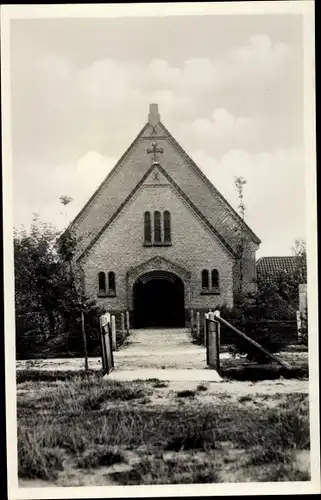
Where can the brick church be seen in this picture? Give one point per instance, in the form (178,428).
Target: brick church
(158,239)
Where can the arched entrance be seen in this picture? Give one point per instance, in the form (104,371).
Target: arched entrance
(159,300)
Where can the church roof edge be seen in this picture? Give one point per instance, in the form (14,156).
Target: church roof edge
(211,186)
(154,115)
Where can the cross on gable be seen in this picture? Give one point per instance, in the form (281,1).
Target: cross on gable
(154,150)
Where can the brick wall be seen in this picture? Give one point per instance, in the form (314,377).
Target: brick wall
(193,248)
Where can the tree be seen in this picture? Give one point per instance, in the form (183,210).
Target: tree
(37,282)
(49,296)
(78,302)
(299,251)
(65,200)
(239,183)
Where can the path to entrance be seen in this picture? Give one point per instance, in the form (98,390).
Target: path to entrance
(165,354)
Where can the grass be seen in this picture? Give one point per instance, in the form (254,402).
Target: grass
(85,423)
(51,376)
(36,459)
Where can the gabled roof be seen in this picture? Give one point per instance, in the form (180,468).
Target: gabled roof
(269,267)
(178,190)
(127,175)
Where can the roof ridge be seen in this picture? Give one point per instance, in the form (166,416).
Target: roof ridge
(279,257)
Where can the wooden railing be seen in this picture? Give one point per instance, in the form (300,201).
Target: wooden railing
(212,337)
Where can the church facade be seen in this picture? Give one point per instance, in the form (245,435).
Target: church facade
(157,239)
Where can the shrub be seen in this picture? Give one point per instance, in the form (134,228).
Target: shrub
(158,471)
(259,318)
(201,387)
(185,394)
(100,456)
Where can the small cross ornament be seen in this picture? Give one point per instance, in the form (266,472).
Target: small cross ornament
(154,150)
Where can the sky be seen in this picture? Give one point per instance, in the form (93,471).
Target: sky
(229,89)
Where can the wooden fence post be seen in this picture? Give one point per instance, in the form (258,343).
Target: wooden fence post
(84,339)
(127,322)
(206,337)
(103,348)
(198,325)
(113,333)
(299,325)
(122,325)
(218,336)
(205,327)
(192,321)
(213,346)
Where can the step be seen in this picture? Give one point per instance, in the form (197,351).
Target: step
(168,375)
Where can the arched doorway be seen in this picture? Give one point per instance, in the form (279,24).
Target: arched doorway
(159,300)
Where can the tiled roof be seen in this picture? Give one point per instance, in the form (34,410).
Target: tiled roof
(268,266)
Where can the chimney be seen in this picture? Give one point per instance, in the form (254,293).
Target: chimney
(153,116)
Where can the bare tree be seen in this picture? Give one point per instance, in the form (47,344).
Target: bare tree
(300,252)
(239,183)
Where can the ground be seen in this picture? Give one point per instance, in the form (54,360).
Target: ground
(89,431)
(78,429)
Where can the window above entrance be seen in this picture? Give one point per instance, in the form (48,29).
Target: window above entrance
(157,229)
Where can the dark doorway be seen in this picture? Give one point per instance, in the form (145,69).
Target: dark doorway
(159,300)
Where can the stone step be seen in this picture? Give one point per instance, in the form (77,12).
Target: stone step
(180,375)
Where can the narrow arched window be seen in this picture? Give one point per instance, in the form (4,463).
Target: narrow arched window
(167,226)
(215,278)
(205,279)
(157,227)
(111,282)
(147,228)
(101,283)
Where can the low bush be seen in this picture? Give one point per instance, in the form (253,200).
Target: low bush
(99,456)
(255,373)
(185,394)
(158,471)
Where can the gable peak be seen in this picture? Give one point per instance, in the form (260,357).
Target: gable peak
(153,115)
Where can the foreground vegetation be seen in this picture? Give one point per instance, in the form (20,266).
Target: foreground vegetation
(85,430)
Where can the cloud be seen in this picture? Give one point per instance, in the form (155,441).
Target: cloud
(274,194)
(235,110)
(78,180)
(253,63)
(72,110)
(257,62)
(218,132)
